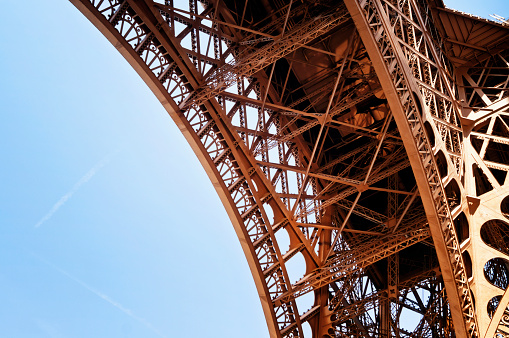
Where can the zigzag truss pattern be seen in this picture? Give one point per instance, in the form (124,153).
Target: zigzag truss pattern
(363,166)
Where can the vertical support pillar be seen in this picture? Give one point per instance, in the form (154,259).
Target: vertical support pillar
(322,294)
(392,201)
(392,288)
(389,305)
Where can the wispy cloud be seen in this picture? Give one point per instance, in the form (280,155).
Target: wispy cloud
(103,296)
(71,192)
(47,328)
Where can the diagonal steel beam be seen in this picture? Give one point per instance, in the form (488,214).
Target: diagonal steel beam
(343,264)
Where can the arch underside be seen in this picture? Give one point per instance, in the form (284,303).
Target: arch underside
(357,155)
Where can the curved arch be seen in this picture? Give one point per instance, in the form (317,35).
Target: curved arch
(226,165)
(504,207)
(494,233)
(338,237)
(497,273)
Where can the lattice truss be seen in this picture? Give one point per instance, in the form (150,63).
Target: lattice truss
(361,159)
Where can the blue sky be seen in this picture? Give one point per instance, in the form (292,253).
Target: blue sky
(109,227)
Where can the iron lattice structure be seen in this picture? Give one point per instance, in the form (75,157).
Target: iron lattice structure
(360,148)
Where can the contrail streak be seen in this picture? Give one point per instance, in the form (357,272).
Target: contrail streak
(75,188)
(101,295)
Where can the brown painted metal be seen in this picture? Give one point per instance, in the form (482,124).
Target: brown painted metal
(359,148)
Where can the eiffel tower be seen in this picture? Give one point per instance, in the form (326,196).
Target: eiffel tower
(359,147)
